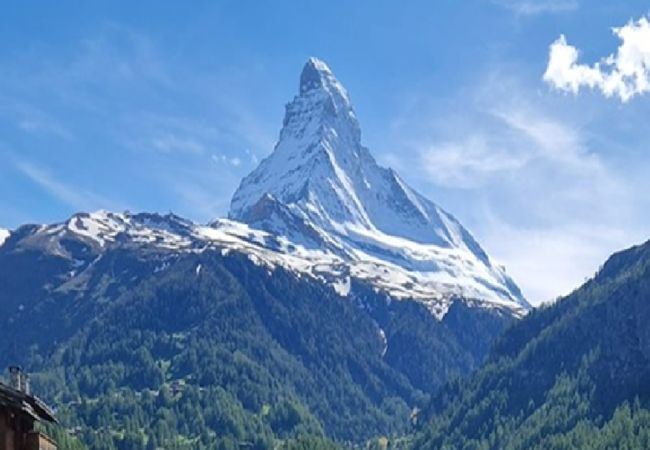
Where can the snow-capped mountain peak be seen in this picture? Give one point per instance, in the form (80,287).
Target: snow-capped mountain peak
(319,144)
(322,188)
(319,206)
(317,75)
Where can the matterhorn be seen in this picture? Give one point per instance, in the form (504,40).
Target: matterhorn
(322,189)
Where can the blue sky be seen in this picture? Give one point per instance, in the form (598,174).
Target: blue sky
(164,106)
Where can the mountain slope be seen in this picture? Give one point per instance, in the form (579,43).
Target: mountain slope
(137,317)
(332,303)
(565,376)
(323,189)
(321,207)
(123,309)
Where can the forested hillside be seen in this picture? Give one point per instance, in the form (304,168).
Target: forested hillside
(207,350)
(572,375)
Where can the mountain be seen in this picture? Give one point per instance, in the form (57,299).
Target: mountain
(4,234)
(329,305)
(572,375)
(149,322)
(324,190)
(321,207)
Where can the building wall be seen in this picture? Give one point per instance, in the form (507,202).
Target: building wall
(17,432)
(7,435)
(39,441)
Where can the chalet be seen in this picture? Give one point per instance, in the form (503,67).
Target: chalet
(19,412)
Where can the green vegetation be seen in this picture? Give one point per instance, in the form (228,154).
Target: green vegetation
(570,376)
(149,353)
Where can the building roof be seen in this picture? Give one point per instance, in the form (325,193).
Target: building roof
(28,404)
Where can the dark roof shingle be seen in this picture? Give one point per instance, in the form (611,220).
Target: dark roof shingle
(28,404)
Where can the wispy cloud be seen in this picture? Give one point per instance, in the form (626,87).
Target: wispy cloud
(223,159)
(168,135)
(31,119)
(534,7)
(551,261)
(118,54)
(252,157)
(36,125)
(117,97)
(504,138)
(470,161)
(202,194)
(623,74)
(73,196)
(170,143)
(527,181)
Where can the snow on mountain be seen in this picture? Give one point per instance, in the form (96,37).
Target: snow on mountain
(322,173)
(321,188)
(4,235)
(102,231)
(318,206)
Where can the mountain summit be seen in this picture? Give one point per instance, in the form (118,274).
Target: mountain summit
(334,299)
(316,160)
(322,173)
(322,188)
(318,206)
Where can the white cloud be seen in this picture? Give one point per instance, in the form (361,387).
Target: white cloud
(507,139)
(45,125)
(252,156)
(533,7)
(169,135)
(79,199)
(170,143)
(548,262)
(623,74)
(233,161)
(535,183)
(469,162)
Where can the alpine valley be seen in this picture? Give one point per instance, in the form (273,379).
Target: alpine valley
(335,307)
(326,309)
(574,375)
